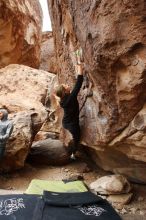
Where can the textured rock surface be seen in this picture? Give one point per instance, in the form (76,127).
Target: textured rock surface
(122,199)
(20,32)
(49,151)
(19,143)
(53,122)
(112,37)
(111,185)
(48,56)
(23,91)
(24,88)
(43,135)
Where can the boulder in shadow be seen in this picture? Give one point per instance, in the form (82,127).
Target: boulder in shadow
(49,152)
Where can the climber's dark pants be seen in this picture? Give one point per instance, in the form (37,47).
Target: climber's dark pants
(74,129)
(2,150)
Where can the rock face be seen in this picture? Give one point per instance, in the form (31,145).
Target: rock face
(111,185)
(20,32)
(48,57)
(23,88)
(112,37)
(53,122)
(23,91)
(19,143)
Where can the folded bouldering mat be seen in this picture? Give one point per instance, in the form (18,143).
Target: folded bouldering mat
(38,186)
(18,207)
(74,206)
(56,206)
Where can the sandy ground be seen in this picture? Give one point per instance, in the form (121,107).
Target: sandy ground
(18,182)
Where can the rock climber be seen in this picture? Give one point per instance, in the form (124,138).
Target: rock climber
(70,105)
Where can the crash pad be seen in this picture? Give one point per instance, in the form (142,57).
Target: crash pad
(18,206)
(74,206)
(38,186)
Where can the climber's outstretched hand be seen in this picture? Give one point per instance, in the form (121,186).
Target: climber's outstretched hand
(79,62)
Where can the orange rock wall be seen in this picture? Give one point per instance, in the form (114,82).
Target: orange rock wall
(112,37)
(48,55)
(20,32)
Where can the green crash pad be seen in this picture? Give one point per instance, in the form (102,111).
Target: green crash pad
(38,186)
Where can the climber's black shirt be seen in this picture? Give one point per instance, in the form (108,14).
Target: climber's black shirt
(70,104)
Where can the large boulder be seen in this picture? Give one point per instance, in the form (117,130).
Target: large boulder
(19,143)
(112,37)
(20,32)
(49,152)
(48,56)
(24,88)
(23,91)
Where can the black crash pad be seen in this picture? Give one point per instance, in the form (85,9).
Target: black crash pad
(75,206)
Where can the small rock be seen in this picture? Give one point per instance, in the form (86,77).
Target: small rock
(76,177)
(119,206)
(133,210)
(66,170)
(111,185)
(123,211)
(122,199)
(140,199)
(141,213)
